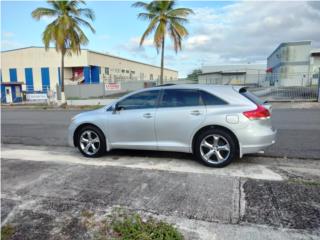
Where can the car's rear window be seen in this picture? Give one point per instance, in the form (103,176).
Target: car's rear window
(211,100)
(253,98)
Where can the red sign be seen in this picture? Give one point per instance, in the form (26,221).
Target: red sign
(113,86)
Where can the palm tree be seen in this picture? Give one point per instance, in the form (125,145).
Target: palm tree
(164,19)
(65,29)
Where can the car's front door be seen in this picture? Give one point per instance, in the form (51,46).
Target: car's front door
(132,126)
(179,114)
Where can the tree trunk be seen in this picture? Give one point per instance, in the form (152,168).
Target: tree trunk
(162,61)
(62,71)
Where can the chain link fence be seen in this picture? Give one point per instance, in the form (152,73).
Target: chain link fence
(301,86)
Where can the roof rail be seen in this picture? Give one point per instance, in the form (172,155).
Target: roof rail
(167,84)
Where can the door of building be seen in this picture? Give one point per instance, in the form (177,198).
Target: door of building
(8,94)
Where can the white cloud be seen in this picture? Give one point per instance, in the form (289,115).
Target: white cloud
(249,31)
(7,34)
(240,32)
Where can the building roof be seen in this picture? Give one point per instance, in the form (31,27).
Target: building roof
(95,52)
(232,68)
(315,52)
(296,43)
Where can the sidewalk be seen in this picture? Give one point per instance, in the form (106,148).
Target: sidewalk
(48,188)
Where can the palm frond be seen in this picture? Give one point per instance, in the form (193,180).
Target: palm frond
(87,12)
(146,16)
(159,34)
(180,12)
(85,23)
(149,30)
(43,12)
(140,5)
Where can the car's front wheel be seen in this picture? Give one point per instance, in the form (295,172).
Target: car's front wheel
(91,142)
(215,148)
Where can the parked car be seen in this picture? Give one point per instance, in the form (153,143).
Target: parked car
(216,123)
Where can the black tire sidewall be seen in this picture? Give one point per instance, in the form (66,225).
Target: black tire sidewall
(102,148)
(226,135)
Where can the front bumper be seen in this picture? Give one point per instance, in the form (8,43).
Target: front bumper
(71,130)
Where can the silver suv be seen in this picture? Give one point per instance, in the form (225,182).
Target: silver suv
(215,123)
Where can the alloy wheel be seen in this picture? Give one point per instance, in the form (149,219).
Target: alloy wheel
(89,142)
(215,148)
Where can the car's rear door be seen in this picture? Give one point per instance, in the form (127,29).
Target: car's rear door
(133,126)
(180,112)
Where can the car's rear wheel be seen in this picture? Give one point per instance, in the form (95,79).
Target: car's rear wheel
(91,141)
(215,148)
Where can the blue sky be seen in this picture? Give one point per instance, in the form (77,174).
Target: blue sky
(220,32)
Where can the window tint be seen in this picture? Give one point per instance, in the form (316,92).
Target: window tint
(209,99)
(146,99)
(180,98)
(253,98)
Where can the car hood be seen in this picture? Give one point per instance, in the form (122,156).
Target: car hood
(90,113)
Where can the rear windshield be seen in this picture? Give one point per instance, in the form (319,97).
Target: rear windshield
(253,98)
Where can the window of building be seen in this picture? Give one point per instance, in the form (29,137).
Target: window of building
(146,99)
(123,71)
(151,76)
(180,98)
(106,70)
(127,71)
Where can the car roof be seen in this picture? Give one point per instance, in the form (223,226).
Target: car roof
(226,92)
(198,86)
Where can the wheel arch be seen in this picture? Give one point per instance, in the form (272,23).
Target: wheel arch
(213,126)
(82,125)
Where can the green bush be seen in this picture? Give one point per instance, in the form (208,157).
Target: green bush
(7,232)
(133,227)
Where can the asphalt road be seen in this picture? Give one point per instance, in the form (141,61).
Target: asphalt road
(298,130)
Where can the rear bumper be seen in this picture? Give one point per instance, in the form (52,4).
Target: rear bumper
(260,142)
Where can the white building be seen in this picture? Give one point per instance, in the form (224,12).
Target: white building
(293,64)
(33,69)
(240,74)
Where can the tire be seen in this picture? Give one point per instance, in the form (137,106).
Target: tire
(93,136)
(215,148)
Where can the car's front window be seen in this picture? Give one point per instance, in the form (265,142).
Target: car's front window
(146,99)
(180,98)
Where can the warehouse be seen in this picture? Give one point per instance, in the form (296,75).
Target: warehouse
(35,70)
(293,64)
(235,74)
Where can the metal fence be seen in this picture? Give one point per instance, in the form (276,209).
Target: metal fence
(301,86)
(269,86)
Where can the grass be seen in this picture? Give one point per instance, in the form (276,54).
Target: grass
(305,182)
(133,227)
(124,225)
(7,232)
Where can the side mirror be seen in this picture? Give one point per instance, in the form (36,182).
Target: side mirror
(116,108)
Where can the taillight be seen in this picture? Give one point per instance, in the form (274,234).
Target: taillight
(259,113)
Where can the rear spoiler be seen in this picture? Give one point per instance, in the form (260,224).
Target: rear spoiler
(239,89)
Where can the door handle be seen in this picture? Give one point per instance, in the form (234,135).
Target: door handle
(195,113)
(147,115)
